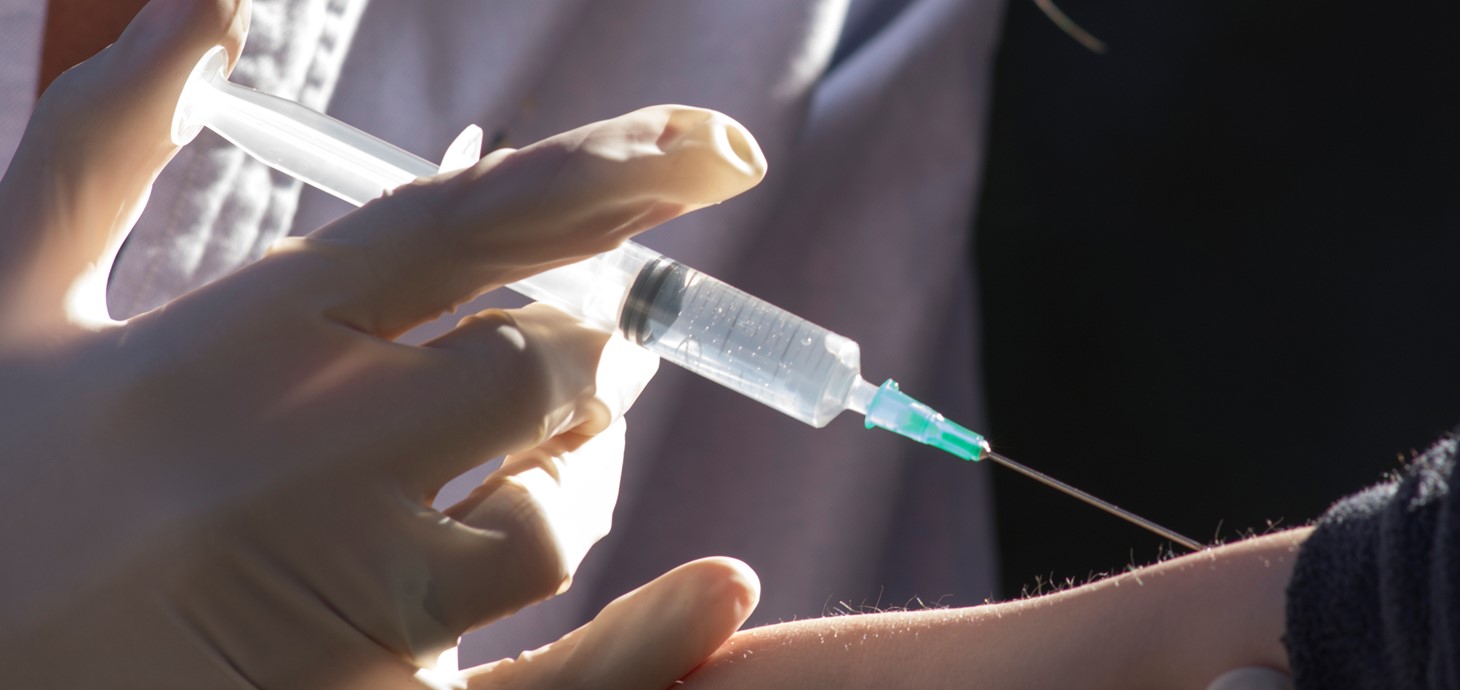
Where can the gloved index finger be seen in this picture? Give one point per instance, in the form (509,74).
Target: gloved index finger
(434,244)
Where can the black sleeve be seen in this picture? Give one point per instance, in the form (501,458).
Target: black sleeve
(1375,597)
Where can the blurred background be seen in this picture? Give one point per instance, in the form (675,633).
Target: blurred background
(1218,265)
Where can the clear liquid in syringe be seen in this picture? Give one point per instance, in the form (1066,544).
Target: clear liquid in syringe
(741,342)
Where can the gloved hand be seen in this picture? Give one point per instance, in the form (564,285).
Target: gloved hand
(233,490)
(1252,678)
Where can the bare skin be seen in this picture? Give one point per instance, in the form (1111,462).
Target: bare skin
(1177,624)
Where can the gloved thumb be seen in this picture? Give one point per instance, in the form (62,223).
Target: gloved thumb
(1252,678)
(96,142)
(647,638)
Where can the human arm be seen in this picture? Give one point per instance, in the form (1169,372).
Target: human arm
(1363,600)
(1176,624)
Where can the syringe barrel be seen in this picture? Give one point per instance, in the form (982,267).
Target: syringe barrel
(708,327)
(743,343)
(593,289)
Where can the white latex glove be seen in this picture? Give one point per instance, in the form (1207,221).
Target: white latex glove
(1252,678)
(233,490)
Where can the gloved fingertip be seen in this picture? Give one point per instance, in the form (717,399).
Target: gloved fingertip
(1252,678)
(566,489)
(720,133)
(580,512)
(624,370)
(662,630)
(715,157)
(733,586)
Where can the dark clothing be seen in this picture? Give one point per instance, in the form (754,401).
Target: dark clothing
(1207,256)
(1375,598)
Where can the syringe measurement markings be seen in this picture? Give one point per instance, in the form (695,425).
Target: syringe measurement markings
(757,331)
(818,357)
(733,321)
(714,318)
(693,359)
(747,345)
(791,340)
(764,336)
(805,355)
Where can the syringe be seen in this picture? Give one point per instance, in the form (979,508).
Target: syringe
(682,315)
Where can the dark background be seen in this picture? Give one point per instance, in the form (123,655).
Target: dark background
(1218,265)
